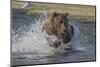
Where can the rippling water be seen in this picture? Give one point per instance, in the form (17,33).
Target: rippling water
(29,45)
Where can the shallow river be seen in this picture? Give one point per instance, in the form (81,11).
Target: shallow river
(30,47)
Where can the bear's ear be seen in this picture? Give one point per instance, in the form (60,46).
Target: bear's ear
(66,14)
(54,14)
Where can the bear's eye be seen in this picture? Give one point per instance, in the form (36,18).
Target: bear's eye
(61,21)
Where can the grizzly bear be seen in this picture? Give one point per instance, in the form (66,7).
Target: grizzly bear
(57,27)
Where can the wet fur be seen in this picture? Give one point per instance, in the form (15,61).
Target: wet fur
(56,26)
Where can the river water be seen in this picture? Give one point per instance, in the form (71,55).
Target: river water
(30,47)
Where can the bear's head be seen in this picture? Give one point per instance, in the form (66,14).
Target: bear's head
(58,22)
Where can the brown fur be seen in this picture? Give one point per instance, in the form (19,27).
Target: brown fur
(54,24)
(57,24)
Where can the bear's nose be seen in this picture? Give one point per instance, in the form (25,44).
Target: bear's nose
(57,44)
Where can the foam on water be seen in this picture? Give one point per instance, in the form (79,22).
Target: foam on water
(34,39)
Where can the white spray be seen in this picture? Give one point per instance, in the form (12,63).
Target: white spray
(34,40)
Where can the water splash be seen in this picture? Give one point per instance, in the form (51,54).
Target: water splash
(34,40)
